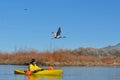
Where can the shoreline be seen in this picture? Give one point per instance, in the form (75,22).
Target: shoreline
(95,65)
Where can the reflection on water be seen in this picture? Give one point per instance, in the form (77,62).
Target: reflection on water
(69,73)
(37,77)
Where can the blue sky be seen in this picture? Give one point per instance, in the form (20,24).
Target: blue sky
(86,23)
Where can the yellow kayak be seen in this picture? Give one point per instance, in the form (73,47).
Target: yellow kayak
(44,72)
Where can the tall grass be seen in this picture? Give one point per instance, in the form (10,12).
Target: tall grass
(57,58)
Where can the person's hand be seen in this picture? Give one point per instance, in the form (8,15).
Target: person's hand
(42,69)
(35,71)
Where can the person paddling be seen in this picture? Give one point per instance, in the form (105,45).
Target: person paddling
(33,67)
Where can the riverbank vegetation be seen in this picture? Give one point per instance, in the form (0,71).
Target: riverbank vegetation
(78,57)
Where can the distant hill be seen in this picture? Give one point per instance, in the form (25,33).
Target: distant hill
(112,47)
(109,51)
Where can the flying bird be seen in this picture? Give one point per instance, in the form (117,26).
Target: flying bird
(57,35)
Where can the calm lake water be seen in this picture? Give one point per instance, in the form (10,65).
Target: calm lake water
(70,73)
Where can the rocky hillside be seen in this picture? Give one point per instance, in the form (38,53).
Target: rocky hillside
(110,51)
(112,47)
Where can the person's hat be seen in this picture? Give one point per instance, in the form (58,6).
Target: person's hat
(33,60)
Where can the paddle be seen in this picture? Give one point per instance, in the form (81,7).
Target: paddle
(35,71)
(38,70)
(30,72)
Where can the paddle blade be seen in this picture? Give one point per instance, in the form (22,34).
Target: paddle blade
(28,73)
(50,68)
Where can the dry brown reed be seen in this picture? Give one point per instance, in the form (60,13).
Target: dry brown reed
(57,58)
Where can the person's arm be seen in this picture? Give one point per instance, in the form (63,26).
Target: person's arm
(37,67)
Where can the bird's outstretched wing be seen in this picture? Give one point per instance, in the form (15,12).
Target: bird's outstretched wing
(58,32)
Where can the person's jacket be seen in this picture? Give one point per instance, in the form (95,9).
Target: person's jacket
(33,67)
